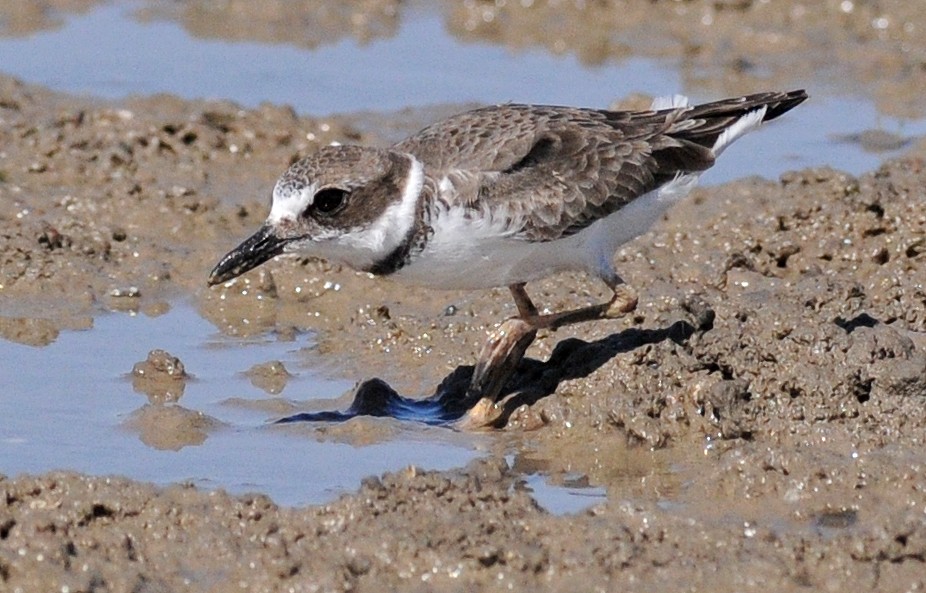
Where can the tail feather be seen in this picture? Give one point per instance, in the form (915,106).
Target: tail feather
(703,124)
(742,126)
(777,103)
(697,135)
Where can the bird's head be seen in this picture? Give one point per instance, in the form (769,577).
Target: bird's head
(349,204)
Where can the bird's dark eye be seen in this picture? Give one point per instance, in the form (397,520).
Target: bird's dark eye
(329,200)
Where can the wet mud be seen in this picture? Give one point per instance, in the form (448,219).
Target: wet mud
(757,423)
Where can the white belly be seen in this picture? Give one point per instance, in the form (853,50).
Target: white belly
(492,262)
(473,253)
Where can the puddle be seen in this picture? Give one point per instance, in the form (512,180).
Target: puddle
(72,405)
(570,497)
(69,403)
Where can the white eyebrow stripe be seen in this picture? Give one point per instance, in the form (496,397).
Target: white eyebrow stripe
(289,203)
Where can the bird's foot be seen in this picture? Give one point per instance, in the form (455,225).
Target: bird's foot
(499,358)
(623,302)
(506,346)
(484,414)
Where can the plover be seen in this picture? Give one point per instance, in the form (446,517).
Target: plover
(501,196)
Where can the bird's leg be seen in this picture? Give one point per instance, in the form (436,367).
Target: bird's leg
(526,307)
(506,346)
(503,351)
(623,301)
(499,359)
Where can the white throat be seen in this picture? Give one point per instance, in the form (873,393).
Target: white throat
(391,228)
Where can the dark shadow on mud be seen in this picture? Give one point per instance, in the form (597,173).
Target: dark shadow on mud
(533,380)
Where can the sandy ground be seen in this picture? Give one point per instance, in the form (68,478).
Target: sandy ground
(771,383)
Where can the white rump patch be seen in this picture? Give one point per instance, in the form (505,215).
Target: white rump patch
(743,125)
(289,203)
(678,188)
(669,102)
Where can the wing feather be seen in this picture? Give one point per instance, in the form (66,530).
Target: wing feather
(553,171)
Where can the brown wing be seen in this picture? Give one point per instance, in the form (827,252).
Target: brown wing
(558,169)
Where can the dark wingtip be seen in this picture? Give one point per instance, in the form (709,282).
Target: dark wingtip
(781,103)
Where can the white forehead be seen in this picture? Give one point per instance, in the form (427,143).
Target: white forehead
(290,201)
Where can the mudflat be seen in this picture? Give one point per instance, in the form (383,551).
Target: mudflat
(774,373)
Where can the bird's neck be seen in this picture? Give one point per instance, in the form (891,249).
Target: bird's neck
(415,238)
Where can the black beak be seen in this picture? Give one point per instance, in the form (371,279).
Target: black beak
(255,250)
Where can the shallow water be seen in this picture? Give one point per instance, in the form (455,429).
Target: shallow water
(568,498)
(75,417)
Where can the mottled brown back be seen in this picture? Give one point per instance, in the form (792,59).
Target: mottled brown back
(558,169)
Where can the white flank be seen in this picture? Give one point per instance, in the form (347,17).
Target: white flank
(467,250)
(743,125)
(390,229)
(601,240)
(288,204)
(471,251)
